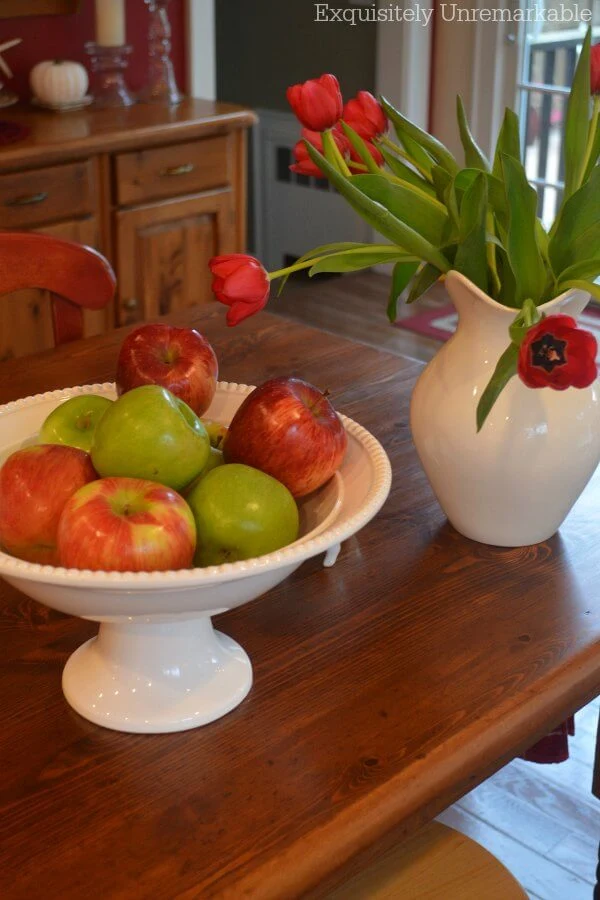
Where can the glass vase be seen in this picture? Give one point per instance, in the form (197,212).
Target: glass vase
(161,86)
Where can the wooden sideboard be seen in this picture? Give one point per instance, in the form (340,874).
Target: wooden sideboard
(158,190)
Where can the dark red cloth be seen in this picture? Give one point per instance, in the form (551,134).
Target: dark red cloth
(12,131)
(554,748)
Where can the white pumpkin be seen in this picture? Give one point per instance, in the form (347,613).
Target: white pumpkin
(59,81)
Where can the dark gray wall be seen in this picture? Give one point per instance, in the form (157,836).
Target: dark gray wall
(263,46)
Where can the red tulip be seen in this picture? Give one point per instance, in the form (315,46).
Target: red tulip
(304,164)
(595,60)
(317,103)
(365,115)
(240,282)
(556,353)
(373,150)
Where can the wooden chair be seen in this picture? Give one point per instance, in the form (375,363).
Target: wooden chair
(437,863)
(77,277)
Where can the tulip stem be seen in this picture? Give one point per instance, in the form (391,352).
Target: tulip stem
(332,152)
(384,139)
(297,267)
(591,141)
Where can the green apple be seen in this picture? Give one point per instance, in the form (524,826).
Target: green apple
(149,433)
(215,458)
(240,513)
(74,422)
(216,432)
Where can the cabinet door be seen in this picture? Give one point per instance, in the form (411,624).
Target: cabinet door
(163,251)
(25,318)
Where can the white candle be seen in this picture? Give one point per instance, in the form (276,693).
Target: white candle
(110,23)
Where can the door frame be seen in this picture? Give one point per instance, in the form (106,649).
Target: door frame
(403,64)
(201,49)
(480,61)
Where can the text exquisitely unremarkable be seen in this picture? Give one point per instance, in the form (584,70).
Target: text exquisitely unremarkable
(564,13)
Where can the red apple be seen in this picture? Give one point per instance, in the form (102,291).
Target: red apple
(288,429)
(179,359)
(126,525)
(35,484)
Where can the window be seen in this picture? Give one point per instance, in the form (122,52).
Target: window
(549,53)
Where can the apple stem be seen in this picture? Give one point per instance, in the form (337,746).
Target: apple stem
(324,396)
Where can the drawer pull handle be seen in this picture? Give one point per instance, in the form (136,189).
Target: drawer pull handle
(29,200)
(130,303)
(184,169)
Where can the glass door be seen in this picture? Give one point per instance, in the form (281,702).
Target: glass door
(549,52)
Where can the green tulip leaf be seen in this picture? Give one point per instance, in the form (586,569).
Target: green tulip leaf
(361,148)
(594,154)
(576,233)
(471,256)
(504,371)
(444,184)
(431,145)
(425,279)
(508,285)
(496,192)
(441,180)
(415,151)
(320,251)
(426,215)
(404,172)
(577,120)
(585,268)
(401,277)
(353,260)
(524,254)
(590,287)
(475,158)
(508,143)
(377,216)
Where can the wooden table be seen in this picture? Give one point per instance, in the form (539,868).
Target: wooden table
(385,687)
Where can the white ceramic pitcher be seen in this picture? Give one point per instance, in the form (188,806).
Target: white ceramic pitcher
(513,483)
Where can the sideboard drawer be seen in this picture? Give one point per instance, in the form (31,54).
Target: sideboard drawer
(176,169)
(38,196)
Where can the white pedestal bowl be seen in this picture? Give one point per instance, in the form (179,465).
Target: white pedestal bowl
(157,664)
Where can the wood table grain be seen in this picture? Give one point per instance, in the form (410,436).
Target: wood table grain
(385,687)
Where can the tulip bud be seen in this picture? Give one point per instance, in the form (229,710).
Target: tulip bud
(365,115)
(317,103)
(241,283)
(304,164)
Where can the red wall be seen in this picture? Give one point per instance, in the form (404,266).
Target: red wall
(51,37)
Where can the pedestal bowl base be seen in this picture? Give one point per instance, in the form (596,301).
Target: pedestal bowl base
(149,676)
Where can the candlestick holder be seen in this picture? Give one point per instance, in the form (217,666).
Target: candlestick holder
(108,75)
(162,86)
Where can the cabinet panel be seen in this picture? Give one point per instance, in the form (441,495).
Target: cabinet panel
(163,253)
(25,317)
(30,198)
(179,169)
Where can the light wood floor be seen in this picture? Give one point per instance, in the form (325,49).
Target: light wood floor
(541,821)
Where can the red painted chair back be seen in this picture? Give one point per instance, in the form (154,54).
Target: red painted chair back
(77,277)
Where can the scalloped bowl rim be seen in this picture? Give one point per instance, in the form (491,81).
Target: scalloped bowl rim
(292,555)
